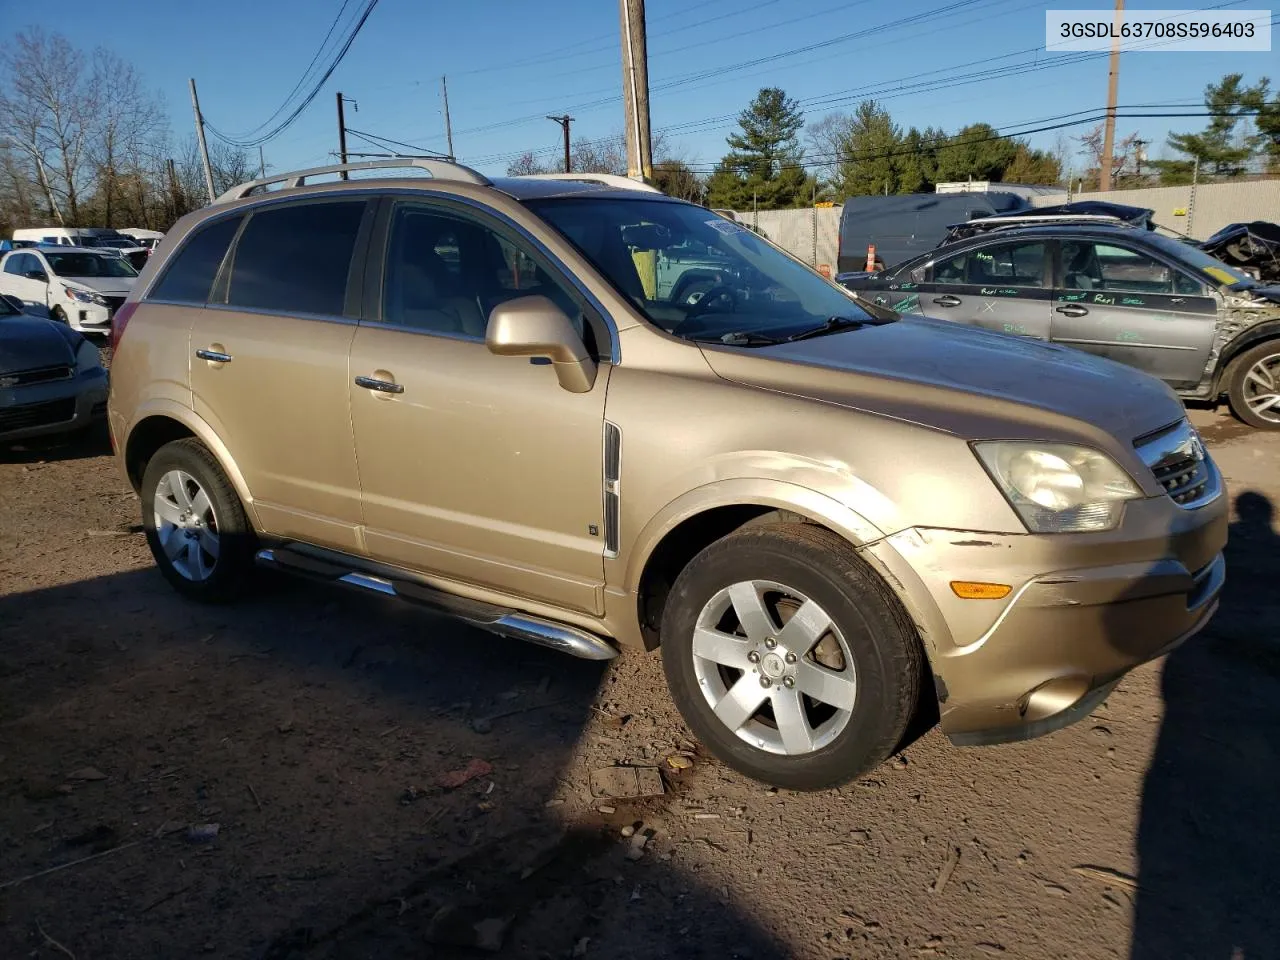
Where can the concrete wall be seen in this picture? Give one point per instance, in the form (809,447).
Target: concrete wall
(1215,206)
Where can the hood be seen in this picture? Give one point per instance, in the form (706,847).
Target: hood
(964,380)
(110,286)
(27,343)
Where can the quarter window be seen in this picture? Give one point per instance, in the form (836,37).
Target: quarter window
(296,259)
(13,264)
(189,276)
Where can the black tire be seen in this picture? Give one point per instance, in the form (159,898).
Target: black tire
(233,566)
(58,315)
(886,652)
(1239,385)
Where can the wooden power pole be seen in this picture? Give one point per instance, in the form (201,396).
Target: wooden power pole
(564,122)
(635,90)
(448,126)
(342,135)
(204,147)
(1113,85)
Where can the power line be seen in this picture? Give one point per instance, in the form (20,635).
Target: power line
(315,90)
(305,73)
(386,143)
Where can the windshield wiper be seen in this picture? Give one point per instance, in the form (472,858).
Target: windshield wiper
(741,338)
(830,325)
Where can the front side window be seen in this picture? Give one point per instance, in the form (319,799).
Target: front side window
(445,274)
(695,274)
(1089,265)
(296,258)
(189,276)
(13,264)
(89,265)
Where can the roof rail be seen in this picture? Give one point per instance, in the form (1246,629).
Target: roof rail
(1024,218)
(606,179)
(439,170)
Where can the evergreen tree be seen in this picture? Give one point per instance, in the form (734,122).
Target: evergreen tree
(870,156)
(1220,152)
(763,165)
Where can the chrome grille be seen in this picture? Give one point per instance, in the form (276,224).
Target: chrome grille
(1178,461)
(38,375)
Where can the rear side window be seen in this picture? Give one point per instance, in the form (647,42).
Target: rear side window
(296,259)
(189,276)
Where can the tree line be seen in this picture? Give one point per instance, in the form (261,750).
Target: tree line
(84,143)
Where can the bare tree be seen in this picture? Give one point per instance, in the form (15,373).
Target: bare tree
(46,115)
(126,118)
(1091,145)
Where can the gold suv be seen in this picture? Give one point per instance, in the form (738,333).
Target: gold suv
(581,413)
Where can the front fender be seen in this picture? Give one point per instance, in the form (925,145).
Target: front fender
(746,491)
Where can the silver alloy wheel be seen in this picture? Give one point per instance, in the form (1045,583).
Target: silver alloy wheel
(1262,388)
(774,667)
(186,525)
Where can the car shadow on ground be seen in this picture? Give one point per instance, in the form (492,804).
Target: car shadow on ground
(1208,844)
(317,730)
(82,445)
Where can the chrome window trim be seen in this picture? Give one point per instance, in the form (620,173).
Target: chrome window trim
(421,331)
(289,314)
(247,208)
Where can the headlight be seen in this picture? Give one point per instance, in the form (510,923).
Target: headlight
(87,358)
(84,296)
(1058,487)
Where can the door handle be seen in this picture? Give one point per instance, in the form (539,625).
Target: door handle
(381,386)
(214,356)
(947,301)
(1073,310)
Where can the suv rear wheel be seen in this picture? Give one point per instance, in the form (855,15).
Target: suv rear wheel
(788,657)
(1254,387)
(195,524)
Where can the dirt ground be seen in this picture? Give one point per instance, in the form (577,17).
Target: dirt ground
(315,729)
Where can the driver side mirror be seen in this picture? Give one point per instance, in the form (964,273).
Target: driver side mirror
(37,275)
(533,326)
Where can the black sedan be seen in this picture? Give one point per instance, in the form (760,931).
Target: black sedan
(51,378)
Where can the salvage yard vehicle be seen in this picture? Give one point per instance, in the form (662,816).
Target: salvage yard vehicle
(1117,290)
(819,512)
(79,287)
(51,378)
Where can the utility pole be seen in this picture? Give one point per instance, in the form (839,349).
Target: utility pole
(448,127)
(635,90)
(1113,84)
(564,122)
(342,135)
(262,162)
(204,147)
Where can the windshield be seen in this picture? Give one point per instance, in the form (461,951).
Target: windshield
(1222,275)
(89,265)
(694,273)
(7,309)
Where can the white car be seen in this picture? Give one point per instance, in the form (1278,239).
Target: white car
(73,285)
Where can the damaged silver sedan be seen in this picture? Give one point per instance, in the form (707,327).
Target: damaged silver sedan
(1118,291)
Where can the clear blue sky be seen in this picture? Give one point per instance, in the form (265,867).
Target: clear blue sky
(517,61)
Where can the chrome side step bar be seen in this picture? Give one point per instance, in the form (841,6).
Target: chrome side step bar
(508,623)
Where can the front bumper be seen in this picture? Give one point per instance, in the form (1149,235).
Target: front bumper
(88,317)
(1084,610)
(59,406)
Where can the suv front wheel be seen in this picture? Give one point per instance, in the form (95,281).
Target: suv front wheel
(788,657)
(195,524)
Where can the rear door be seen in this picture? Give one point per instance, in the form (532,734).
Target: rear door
(1119,301)
(1000,285)
(16,282)
(269,364)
